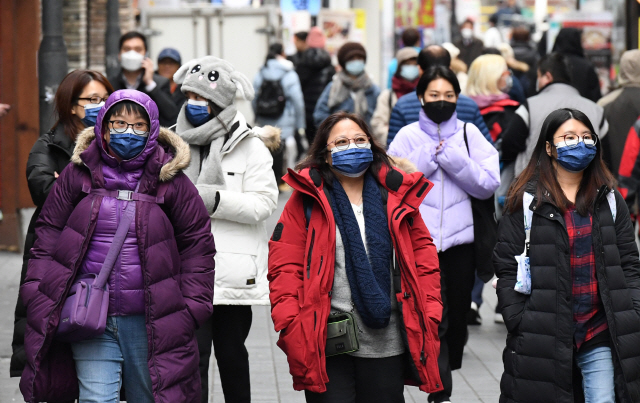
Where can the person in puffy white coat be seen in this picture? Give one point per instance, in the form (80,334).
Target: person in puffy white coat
(231,168)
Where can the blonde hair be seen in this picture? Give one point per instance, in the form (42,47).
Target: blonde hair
(484,74)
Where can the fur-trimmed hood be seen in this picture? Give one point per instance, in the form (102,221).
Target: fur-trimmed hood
(404,164)
(179,151)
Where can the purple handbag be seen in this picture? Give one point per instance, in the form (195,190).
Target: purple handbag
(84,312)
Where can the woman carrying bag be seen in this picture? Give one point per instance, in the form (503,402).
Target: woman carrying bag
(463,167)
(574,326)
(353,273)
(161,281)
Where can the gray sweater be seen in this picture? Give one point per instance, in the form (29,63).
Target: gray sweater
(374,343)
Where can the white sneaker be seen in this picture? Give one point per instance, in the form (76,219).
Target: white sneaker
(498,318)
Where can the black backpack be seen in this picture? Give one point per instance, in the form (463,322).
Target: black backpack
(271,101)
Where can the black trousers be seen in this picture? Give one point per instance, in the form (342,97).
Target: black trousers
(228,329)
(457,276)
(362,380)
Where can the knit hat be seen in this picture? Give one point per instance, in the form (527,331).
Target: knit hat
(630,67)
(452,49)
(405,54)
(213,79)
(350,50)
(315,38)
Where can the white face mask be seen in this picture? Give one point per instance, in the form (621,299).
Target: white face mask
(131,60)
(467,33)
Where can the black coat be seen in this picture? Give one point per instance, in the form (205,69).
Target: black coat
(315,70)
(161,95)
(50,153)
(583,75)
(538,356)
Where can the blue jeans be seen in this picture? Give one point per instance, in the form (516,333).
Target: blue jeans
(596,366)
(119,355)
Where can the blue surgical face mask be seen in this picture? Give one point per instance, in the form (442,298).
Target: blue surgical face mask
(409,72)
(575,158)
(197,112)
(127,145)
(352,162)
(91,113)
(354,67)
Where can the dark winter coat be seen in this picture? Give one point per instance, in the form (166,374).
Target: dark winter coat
(583,75)
(49,155)
(622,114)
(301,273)
(176,254)
(539,353)
(315,70)
(168,105)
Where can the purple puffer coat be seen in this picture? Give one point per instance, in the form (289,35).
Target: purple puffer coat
(176,252)
(455,174)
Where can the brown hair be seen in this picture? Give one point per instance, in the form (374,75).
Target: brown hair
(541,169)
(317,154)
(67,95)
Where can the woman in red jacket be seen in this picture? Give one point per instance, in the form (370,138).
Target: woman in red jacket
(353,273)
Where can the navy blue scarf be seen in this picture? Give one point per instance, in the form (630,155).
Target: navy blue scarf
(369,276)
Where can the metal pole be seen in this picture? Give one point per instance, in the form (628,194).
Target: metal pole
(112,37)
(455,29)
(52,60)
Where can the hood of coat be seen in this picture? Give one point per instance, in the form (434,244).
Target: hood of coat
(150,107)
(447,128)
(270,135)
(175,158)
(276,69)
(569,41)
(60,140)
(315,59)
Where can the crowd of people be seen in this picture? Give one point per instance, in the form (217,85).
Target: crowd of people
(479,158)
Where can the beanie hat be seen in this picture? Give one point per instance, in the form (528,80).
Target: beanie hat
(315,38)
(214,79)
(405,54)
(350,50)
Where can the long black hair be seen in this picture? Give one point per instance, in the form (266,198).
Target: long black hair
(541,168)
(275,49)
(317,154)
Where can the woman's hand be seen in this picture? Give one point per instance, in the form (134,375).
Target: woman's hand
(440,146)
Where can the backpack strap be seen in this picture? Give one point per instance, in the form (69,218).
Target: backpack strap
(128,195)
(464,133)
(527,199)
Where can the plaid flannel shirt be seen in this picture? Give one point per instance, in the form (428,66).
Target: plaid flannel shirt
(589,317)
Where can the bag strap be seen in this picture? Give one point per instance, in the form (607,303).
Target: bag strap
(466,142)
(116,244)
(527,198)
(128,195)
(611,199)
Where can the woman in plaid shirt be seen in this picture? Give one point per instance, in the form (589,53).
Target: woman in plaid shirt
(577,334)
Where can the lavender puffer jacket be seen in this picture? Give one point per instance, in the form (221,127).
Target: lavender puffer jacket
(175,252)
(456,175)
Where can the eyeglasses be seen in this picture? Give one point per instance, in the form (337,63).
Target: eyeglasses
(342,143)
(572,140)
(120,126)
(94,100)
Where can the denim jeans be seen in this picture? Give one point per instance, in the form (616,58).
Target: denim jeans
(119,355)
(596,366)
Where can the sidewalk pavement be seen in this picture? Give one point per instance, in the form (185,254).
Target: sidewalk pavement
(477,381)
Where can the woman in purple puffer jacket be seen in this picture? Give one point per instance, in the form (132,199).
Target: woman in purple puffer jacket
(161,286)
(436,145)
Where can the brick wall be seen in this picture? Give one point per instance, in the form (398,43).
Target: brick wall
(85,23)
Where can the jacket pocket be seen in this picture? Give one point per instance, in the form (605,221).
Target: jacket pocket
(236,270)
(292,343)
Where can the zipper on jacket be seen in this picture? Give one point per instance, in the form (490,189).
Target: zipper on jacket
(309,255)
(441,195)
(321,261)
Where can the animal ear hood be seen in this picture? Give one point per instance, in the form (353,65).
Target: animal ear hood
(214,79)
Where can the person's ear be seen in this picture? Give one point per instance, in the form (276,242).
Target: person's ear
(549,149)
(548,76)
(420,70)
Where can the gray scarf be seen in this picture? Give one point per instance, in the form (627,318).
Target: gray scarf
(211,134)
(344,85)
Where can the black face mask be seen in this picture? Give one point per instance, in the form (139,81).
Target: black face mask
(439,111)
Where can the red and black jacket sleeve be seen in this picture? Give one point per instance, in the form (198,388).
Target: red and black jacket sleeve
(629,171)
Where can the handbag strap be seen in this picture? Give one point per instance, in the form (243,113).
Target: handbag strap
(527,198)
(116,244)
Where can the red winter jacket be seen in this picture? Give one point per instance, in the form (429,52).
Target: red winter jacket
(301,270)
